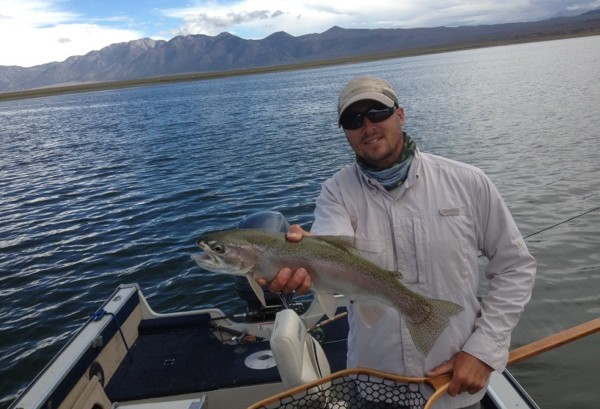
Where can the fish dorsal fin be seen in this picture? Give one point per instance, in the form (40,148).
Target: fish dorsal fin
(328,302)
(344,243)
(260,294)
(370,313)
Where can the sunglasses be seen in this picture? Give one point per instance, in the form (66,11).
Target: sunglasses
(376,114)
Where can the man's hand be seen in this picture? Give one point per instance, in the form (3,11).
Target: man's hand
(286,280)
(469,374)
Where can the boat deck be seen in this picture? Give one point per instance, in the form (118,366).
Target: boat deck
(174,355)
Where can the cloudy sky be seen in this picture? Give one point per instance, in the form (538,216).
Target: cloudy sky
(34,32)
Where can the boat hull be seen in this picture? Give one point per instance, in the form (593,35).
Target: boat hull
(129,355)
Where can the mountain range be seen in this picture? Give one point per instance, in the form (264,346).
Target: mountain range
(146,58)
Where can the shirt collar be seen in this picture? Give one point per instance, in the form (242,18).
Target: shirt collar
(411,179)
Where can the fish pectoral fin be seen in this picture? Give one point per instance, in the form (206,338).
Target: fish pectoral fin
(370,313)
(260,294)
(328,302)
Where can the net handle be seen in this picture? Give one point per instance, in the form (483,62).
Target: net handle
(534,348)
(554,341)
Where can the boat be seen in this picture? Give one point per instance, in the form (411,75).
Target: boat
(284,354)
(128,356)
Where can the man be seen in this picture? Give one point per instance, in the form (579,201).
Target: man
(427,217)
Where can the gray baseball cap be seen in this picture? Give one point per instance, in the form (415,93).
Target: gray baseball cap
(361,88)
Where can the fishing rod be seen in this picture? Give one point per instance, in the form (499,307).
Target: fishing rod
(558,224)
(563,222)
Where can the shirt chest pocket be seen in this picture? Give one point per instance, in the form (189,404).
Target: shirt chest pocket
(445,247)
(372,250)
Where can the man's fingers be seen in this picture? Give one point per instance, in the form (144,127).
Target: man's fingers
(443,369)
(295,233)
(261,281)
(305,287)
(469,374)
(296,282)
(454,388)
(286,280)
(278,283)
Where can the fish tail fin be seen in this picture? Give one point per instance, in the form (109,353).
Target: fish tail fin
(426,332)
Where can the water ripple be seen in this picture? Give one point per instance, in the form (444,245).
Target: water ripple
(102,188)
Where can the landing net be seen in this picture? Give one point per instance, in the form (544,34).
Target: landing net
(356,388)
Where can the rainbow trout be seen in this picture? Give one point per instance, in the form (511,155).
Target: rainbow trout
(335,268)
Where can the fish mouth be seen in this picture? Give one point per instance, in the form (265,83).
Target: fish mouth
(205,260)
(208,259)
(211,261)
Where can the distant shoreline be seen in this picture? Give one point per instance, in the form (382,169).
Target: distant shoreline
(101,86)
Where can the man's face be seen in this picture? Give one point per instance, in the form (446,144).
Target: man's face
(377,143)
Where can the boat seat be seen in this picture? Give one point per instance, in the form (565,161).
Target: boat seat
(299,357)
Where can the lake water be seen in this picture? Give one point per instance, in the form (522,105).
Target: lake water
(107,187)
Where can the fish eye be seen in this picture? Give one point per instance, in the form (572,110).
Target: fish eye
(216,246)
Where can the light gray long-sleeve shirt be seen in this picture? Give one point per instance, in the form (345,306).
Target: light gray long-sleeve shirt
(432,229)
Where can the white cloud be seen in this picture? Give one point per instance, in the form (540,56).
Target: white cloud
(584,6)
(259,18)
(37,32)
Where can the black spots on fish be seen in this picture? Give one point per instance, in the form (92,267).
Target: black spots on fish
(426,331)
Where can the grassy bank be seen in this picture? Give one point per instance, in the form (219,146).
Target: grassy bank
(67,89)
